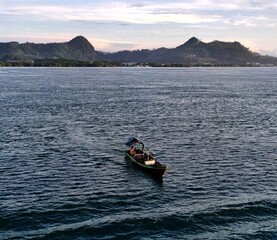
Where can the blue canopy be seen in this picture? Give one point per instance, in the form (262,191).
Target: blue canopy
(133,140)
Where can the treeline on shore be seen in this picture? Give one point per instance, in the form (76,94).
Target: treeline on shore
(58,63)
(75,63)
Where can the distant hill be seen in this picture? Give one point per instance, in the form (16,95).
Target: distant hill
(79,48)
(195,52)
(192,52)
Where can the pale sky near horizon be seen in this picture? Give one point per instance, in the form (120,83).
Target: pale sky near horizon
(127,24)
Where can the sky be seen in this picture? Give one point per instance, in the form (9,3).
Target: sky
(112,26)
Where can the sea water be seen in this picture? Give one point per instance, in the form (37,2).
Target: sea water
(63,174)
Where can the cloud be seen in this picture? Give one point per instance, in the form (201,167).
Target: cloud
(137,5)
(238,12)
(151,12)
(120,12)
(262,3)
(120,23)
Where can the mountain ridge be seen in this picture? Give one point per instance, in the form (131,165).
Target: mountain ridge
(192,52)
(78,48)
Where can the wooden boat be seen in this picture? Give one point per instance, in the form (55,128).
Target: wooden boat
(144,158)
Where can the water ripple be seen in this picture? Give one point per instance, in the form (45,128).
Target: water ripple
(63,174)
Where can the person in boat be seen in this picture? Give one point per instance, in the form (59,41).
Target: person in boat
(132,151)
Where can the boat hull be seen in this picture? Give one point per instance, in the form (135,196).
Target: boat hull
(157,170)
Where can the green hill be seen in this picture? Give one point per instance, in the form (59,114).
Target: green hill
(196,52)
(79,48)
(192,52)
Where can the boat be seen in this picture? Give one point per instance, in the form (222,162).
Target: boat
(144,158)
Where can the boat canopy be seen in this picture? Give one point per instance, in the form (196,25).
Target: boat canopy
(133,140)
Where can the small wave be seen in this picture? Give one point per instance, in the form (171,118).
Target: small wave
(242,221)
(63,177)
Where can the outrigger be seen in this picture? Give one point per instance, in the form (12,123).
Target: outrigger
(144,158)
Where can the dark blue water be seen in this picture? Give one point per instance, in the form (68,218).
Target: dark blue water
(62,169)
